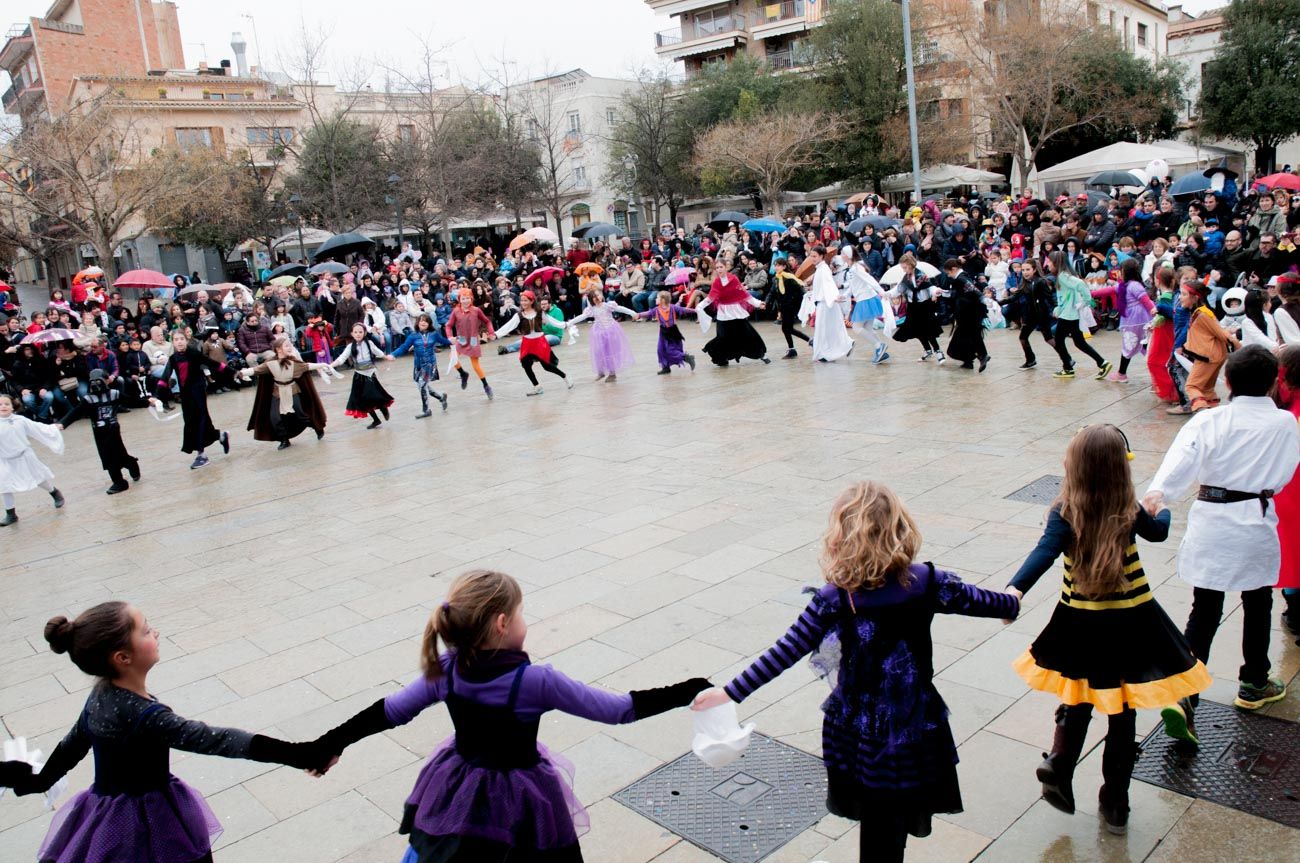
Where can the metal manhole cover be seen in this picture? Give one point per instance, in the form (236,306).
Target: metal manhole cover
(1246,761)
(1042,490)
(741,813)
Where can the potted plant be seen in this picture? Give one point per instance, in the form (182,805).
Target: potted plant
(162,92)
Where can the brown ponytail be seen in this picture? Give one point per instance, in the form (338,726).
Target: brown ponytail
(464,621)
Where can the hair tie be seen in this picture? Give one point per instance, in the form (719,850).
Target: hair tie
(446,606)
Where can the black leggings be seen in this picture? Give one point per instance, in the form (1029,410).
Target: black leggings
(788,320)
(882,838)
(931,344)
(530,361)
(1070,330)
(1027,330)
(1256,609)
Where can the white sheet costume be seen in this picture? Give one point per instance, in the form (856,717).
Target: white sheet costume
(831,340)
(20,469)
(1247,445)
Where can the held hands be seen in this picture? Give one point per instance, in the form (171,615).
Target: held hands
(1153,501)
(710,698)
(1019,595)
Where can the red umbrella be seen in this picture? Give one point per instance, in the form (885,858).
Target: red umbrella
(1279,181)
(44,337)
(679,276)
(543,274)
(144,279)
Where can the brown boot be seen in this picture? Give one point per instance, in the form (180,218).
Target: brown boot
(1057,770)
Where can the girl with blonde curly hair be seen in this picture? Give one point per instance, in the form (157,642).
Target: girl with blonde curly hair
(889,753)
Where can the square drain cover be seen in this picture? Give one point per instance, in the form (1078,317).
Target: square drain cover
(1042,490)
(1246,761)
(742,812)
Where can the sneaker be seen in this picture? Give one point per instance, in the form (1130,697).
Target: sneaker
(487,391)
(1104,370)
(1180,724)
(284,444)
(664,371)
(1254,697)
(225,443)
(984,363)
(878,353)
(690,361)
(116,488)
(768,362)
(464,378)
(424,413)
(942,359)
(568,382)
(1065,375)
(1028,364)
(199,461)
(537,391)
(1179,411)
(1117,378)
(925,356)
(57,497)
(443,398)
(790,354)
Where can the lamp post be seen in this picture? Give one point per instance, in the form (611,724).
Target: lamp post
(911,102)
(395,181)
(294,201)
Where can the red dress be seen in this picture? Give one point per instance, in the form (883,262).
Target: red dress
(1159,350)
(1288,510)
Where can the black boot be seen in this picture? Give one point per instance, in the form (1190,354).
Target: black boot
(1117,761)
(284,444)
(57,497)
(1057,770)
(11,516)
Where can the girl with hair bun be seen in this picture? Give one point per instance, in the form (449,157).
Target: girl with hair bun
(891,762)
(136,811)
(492,793)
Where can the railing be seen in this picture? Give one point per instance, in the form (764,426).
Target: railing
(769,13)
(788,59)
(665,38)
(19,31)
(10,96)
(703,29)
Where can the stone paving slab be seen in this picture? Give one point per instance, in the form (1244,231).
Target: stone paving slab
(662,526)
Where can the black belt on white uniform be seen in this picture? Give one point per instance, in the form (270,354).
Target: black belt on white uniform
(1215,494)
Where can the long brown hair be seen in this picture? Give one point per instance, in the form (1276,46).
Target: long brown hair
(1097,502)
(871,537)
(464,621)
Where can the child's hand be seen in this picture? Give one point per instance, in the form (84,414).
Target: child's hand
(326,769)
(710,698)
(1153,502)
(1019,595)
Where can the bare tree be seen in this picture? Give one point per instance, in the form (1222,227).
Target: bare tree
(548,131)
(650,147)
(767,149)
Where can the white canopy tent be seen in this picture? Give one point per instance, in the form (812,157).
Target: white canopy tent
(943,176)
(1126,156)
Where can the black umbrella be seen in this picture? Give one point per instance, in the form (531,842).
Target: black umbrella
(341,245)
(723,220)
(1116,178)
(328,267)
(877,222)
(595,229)
(289,270)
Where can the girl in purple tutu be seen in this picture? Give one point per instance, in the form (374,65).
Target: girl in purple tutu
(610,352)
(491,793)
(136,812)
(672,347)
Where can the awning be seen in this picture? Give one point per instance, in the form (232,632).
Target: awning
(943,176)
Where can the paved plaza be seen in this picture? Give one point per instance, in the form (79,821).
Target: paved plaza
(662,527)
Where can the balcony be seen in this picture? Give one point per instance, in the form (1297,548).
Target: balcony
(18,42)
(18,98)
(702,37)
(788,58)
(781,19)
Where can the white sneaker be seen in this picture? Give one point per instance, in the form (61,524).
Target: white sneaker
(942,358)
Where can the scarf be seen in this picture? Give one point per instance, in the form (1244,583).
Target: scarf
(728,291)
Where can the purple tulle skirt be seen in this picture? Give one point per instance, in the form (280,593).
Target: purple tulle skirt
(171,825)
(525,808)
(610,351)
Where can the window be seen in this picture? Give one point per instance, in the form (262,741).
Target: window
(234,97)
(711,21)
(1128,42)
(215,97)
(575,123)
(265,136)
(611,117)
(580,176)
(580,213)
(406,134)
(1094,14)
(1142,34)
(533,133)
(189,138)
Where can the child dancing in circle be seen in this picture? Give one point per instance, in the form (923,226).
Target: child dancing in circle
(671,350)
(368,394)
(610,352)
(889,753)
(1109,644)
(20,469)
(534,349)
(491,793)
(423,340)
(136,811)
(465,327)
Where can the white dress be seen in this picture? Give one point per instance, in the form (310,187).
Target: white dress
(831,339)
(20,469)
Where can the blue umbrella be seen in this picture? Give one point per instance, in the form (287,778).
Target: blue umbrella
(764,226)
(1188,185)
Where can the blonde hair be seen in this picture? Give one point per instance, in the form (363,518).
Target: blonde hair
(464,621)
(871,537)
(1097,502)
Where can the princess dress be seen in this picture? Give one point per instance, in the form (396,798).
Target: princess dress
(20,469)
(610,351)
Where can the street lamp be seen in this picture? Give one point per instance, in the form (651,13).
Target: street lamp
(911,103)
(294,201)
(395,181)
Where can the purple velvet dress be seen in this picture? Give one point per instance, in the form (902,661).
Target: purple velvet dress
(672,346)
(136,811)
(885,737)
(491,791)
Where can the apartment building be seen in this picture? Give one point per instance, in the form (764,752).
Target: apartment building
(709,31)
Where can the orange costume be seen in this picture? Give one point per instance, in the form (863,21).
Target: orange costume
(1207,346)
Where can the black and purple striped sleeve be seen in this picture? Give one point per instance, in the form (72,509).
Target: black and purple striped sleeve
(954,596)
(799,640)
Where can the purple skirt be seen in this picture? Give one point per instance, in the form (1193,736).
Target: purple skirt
(672,351)
(171,825)
(527,808)
(610,351)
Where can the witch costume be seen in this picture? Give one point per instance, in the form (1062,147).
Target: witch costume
(967,343)
(368,394)
(920,322)
(188,365)
(137,811)
(286,403)
(736,336)
(491,792)
(671,350)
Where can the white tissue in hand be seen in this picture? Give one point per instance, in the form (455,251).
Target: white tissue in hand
(15,749)
(719,739)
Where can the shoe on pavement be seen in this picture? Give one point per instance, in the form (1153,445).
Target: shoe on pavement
(1254,697)
(1179,411)
(1117,378)
(57,496)
(1180,724)
(1104,370)
(790,354)
(284,444)
(1028,364)
(536,391)
(117,488)
(225,442)
(1065,375)
(199,461)
(984,363)
(942,359)
(690,361)
(443,398)
(424,413)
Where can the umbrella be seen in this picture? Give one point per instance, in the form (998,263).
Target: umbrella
(764,226)
(1221,168)
(1189,185)
(543,274)
(289,270)
(143,279)
(877,222)
(328,267)
(534,235)
(1116,178)
(341,245)
(45,337)
(590,268)
(679,276)
(894,274)
(223,288)
(284,280)
(723,220)
(858,198)
(1279,181)
(594,229)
